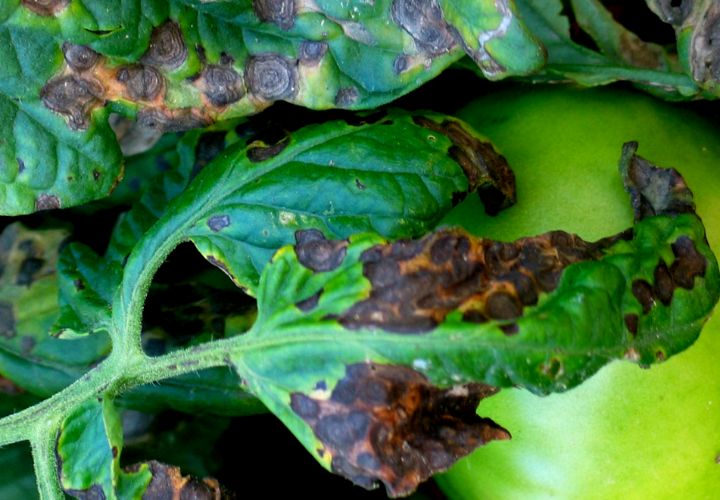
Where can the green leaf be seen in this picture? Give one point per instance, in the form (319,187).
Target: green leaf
(394,174)
(44,164)
(361,340)
(29,307)
(88,453)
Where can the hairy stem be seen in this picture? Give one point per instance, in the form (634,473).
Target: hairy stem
(45,460)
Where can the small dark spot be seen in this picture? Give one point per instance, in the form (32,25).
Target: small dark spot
(115,451)
(510,328)
(271,76)
(142,83)
(631,322)
(346,97)
(27,344)
(312,52)
(226,59)
(304,406)
(258,151)
(321,385)
(688,264)
(79,57)
(73,97)
(642,291)
(7,320)
(200,50)
(218,222)
(474,316)
(400,64)
(423,21)
(167,47)
(79,285)
(47,202)
(172,367)
(310,303)
(279,12)
(674,11)
(664,287)
(45,7)
(223,85)
(96,175)
(176,120)
(553,369)
(501,305)
(660,355)
(316,252)
(360,185)
(21,165)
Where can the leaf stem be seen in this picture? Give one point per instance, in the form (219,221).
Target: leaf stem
(45,460)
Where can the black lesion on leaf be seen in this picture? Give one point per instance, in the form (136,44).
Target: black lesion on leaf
(653,190)
(487,171)
(316,252)
(171,120)
(79,57)
(29,267)
(415,284)
(688,263)
(46,201)
(400,64)
(74,97)
(167,48)
(310,303)
(280,12)
(218,222)
(271,76)
(388,423)
(423,21)
(632,322)
(643,292)
(346,97)
(7,320)
(142,82)
(168,482)
(258,151)
(45,7)
(222,85)
(312,52)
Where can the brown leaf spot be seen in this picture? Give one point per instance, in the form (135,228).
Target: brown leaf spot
(47,202)
(8,387)
(271,76)
(423,21)
(45,7)
(311,53)
(21,165)
(142,83)
(218,222)
(487,171)
(79,57)
(688,263)
(171,120)
(168,483)
(310,303)
(388,423)
(346,97)
(27,344)
(279,12)
(417,283)
(258,151)
(222,85)
(167,48)
(631,322)
(316,252)
(73,97)
(643,292)
(7,320)
(400,64)
(663,286)
(510,328)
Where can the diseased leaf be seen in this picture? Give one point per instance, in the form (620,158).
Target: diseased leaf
(349,332)
(394,174)
(29,306)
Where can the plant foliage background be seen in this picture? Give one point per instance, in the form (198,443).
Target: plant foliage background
(164,254)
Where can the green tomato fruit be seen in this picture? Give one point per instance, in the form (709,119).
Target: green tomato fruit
(627,432)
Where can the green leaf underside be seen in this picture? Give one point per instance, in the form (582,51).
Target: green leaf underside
(331,308)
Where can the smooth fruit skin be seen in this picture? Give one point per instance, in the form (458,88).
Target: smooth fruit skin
(627,432)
